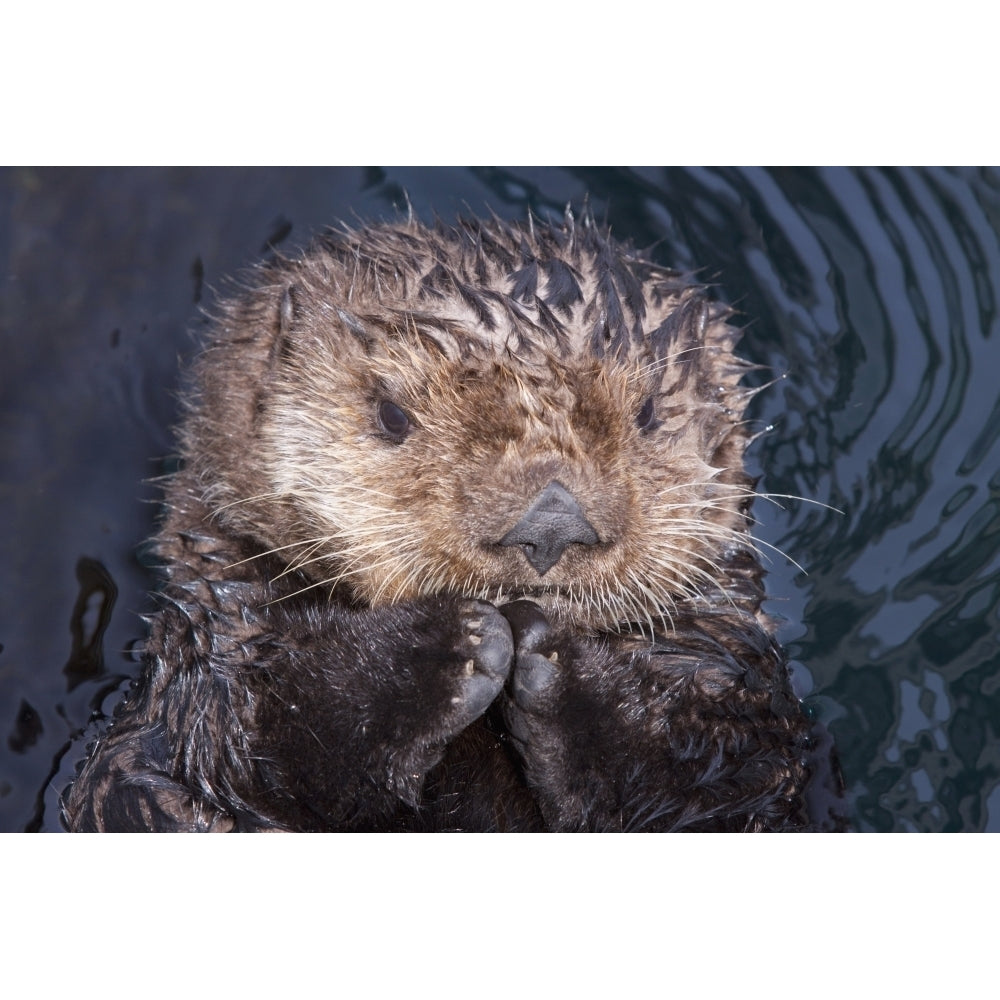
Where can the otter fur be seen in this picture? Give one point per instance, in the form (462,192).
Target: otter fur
(459,542)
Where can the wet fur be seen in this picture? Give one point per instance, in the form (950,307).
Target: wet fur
(344,641)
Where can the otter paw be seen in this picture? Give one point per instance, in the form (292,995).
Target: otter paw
(486,652)
(535,673)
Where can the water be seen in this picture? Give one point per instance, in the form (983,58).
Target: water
(870,295)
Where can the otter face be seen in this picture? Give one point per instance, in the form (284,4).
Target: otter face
(565,482)
(414,442)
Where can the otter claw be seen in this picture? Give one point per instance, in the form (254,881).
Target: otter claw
(490,643)
(487,651)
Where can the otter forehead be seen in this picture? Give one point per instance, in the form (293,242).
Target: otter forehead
(566,290)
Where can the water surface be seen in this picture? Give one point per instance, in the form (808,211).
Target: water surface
(869,295)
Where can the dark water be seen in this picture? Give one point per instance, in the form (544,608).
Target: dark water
(873,292)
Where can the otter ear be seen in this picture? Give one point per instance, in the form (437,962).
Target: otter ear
(281,349)
(645,419)
(286,311)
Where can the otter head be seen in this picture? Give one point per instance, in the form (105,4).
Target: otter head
(487,411)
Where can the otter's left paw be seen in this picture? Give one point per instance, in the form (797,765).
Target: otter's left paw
(486,652)
(535,674)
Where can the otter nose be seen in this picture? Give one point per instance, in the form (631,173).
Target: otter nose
(553,521)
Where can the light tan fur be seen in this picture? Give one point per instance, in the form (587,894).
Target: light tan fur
(288,448)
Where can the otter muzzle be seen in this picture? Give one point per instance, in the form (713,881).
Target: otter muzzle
(552,522)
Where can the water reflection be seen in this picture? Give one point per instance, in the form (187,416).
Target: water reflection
(870,295)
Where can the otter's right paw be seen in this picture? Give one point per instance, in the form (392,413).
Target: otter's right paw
(535,674)
(486,652)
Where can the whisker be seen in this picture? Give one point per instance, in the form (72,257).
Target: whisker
(259,496)
(302,560)
(332,581)
(278,548)
(661,363)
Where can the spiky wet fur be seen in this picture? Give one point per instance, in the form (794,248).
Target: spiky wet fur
(329,653)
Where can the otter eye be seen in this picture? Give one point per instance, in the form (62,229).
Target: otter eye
(645,419)
(393,421)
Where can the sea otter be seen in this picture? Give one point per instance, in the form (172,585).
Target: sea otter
(459,542)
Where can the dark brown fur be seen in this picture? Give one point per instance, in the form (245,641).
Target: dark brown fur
(459,542)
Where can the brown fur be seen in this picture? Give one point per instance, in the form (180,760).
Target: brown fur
(369,425)
(281,440)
